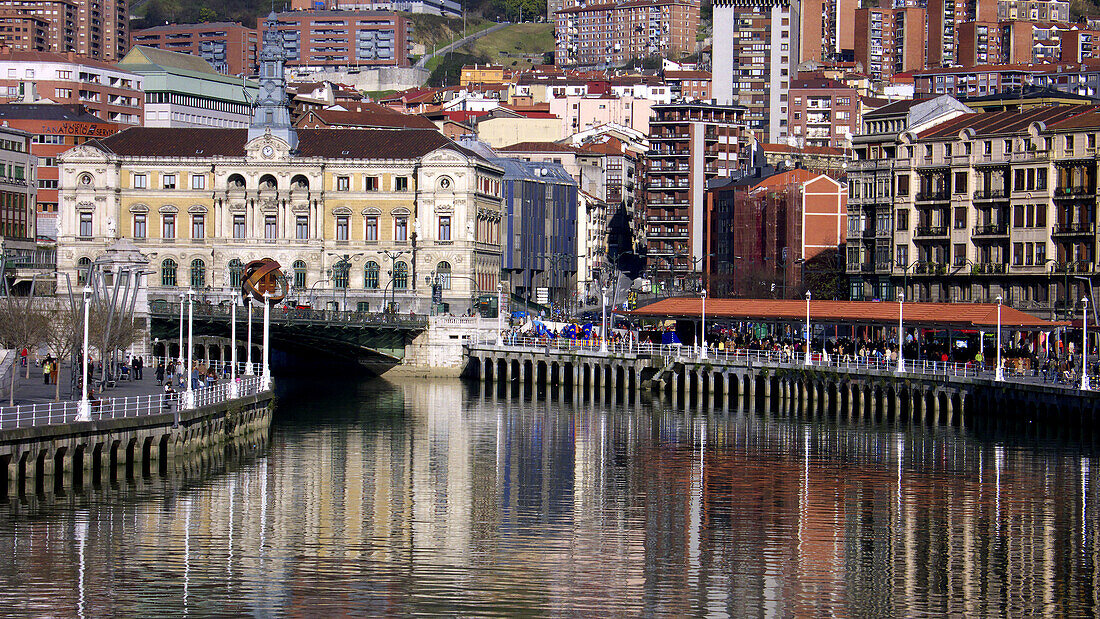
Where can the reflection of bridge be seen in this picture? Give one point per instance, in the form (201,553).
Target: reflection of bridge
(374,340)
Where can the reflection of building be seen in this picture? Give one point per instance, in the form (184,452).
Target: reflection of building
(366,213)
(230,48)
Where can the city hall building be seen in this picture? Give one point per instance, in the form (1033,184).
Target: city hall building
(359,219)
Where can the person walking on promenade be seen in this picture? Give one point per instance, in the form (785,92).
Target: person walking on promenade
(47,368)
(138,366)
(158,373)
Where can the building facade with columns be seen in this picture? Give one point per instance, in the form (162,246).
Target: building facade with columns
(359,219)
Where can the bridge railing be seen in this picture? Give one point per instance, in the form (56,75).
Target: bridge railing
(53,413)
(741,357)
(221,368)
(291,315)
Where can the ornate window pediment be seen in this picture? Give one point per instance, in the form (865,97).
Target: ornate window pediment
(445,208)
(371,210)
(341,210)
(197,208)
(139,208)
(168,208)
(85,206)
(401,211)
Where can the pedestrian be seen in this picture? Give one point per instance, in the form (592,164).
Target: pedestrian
(138,366)
(159,372)
(47,367)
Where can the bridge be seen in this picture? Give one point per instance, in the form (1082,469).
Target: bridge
(376,341)
(924,392)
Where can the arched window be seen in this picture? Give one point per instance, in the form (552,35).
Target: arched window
(443,269)
(268,182)
(400,276)
(198,273)
(168,272)
(235,271)
(340,274)
(370,276)
(299,274)
(82,267)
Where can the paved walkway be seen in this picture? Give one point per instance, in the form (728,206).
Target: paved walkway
(33,391)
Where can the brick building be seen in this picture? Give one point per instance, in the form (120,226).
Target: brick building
(54,129)
(344,39)
(761,230)
(689,85)
(973,81)
(611,34)
(889,41)
(22,32)
(229,47)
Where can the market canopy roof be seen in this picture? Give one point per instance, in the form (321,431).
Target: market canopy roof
(937,315)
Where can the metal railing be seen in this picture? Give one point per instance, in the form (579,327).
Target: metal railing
(292,315)
(221,368)
(54,413)
(737,357)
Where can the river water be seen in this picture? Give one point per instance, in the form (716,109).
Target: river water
(435,498)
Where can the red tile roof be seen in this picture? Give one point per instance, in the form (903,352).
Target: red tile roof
(541,147)
(372,115)
(942,315)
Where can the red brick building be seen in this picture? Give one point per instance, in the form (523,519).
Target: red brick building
(105,90)
(54,129)
(344,39)
(889,41)
(229,47)
(691,85)
(612,33)
(761,232)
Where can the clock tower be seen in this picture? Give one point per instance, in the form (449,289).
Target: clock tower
(270,114)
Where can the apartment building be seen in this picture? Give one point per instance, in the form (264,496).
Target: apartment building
(581,113)
(830,37)
(973,81)
(1079,44)
(755,52)
(448,8)
(689,85)
(59,16)
(822,113)
(690,144)
(985,205)
(110,92)
(319,40)
(229,47)
(611,34)
(25,33)
(944,18)
(97,29)
(889,41)
(1033,10)
(18,188)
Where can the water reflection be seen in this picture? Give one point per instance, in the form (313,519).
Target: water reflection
(437,498)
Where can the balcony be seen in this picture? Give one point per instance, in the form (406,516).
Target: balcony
(1031,155)
(1073,192)
(869,233)
(931,231)
(991,230)
(990,268)
(1074,228)
(884,267)
(933,196)
(990,194)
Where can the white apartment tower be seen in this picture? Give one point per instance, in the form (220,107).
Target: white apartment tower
(755,52)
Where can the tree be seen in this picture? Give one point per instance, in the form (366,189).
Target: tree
(63,334)
(22,325)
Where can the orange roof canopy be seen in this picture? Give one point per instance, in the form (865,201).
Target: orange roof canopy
(928,315)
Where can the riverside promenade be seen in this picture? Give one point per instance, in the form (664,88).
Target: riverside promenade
(46,446)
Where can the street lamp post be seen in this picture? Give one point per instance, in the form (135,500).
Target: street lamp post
(1085,344)
(703,325)
(248,370)
(901,332)
(999,374)
(85,411)
(189,399)
(267,341)
(808,361)
(603,320)
(179,355)
(500,314)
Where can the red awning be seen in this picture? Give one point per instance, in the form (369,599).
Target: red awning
(943,315)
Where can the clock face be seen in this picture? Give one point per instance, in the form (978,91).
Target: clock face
(268,151)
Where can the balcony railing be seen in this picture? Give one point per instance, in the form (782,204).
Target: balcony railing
(1075,228)
(990,194)
(990,268)
(1072,192)
(931,231)
(926,196)
(991,230)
